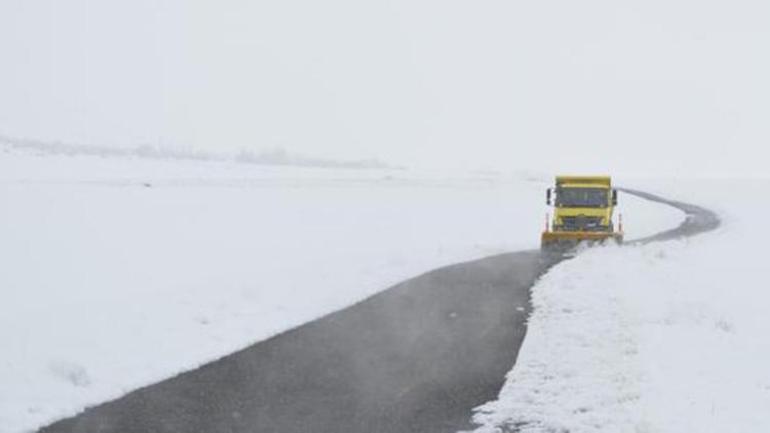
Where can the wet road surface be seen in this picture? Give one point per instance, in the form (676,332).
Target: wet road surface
(417,357)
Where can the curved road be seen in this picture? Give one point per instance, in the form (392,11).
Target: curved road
(417,357)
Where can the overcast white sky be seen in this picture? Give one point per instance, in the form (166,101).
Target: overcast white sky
(652,86)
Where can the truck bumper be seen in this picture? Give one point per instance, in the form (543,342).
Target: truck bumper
(568,240)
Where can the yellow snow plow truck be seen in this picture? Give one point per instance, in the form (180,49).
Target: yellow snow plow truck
(583,208)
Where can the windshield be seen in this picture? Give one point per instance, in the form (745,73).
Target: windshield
(581,197)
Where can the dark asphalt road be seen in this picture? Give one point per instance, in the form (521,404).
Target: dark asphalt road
(415,358)
(698,219)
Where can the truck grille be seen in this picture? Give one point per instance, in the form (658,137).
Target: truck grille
(582,223)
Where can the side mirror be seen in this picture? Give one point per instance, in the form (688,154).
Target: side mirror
(614,197)
(548,196)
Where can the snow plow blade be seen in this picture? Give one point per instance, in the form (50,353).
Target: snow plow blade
(568,240)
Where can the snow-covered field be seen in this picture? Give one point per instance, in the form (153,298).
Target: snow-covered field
(118,272)
(666,337)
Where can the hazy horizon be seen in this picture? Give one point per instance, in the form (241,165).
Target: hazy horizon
(656,87)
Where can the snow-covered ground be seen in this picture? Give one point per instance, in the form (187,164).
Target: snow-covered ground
(669,337)
(118,272)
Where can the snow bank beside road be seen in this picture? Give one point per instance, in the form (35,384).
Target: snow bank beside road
(667,337)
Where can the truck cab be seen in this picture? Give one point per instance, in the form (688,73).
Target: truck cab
(583,211)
